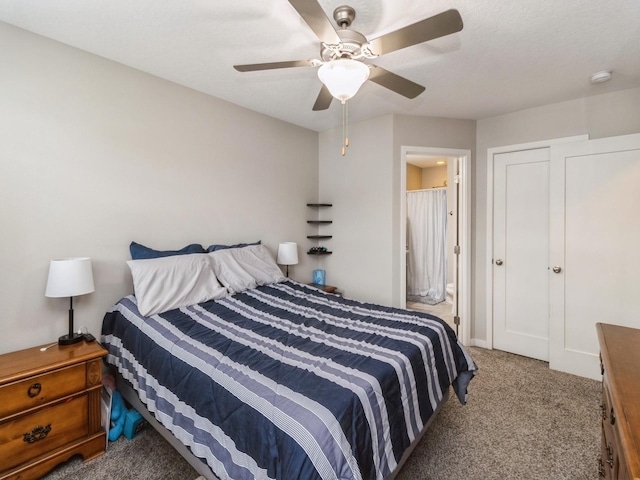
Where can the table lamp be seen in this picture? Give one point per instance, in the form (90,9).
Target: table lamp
(287,254)
(70,277)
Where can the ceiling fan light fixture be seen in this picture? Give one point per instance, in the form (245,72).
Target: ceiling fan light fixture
(343,77)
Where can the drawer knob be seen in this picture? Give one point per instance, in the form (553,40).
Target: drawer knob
(34,390)
(37,434)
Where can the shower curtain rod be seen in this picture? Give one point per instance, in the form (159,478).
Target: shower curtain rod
(427,189)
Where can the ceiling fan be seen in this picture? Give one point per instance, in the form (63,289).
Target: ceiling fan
(343,51)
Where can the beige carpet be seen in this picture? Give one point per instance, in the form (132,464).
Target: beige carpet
(522,421)
(146,457)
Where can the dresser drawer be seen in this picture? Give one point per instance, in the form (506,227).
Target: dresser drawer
(28,436)
(19,396)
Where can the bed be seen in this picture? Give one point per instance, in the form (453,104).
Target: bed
(272,378)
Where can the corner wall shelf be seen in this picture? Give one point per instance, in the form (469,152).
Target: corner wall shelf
(317,250)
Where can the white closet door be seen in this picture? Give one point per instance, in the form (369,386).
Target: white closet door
(521,253)
(595,242)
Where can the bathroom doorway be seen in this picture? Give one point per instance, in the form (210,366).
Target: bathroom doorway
(436,249)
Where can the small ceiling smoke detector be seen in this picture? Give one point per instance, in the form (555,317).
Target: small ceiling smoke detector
(600,77)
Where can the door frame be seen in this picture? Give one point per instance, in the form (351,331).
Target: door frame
(464,230)
(489,226)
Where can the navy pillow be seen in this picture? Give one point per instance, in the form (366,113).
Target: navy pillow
(213,248)
(140,252)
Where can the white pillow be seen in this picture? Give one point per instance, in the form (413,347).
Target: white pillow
(258,262)
(165,283)
(230,272)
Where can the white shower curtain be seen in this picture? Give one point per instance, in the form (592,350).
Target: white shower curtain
(427,244)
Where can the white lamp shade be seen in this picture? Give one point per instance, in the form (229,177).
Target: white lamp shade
(288,253)
(69,277)
(343,77)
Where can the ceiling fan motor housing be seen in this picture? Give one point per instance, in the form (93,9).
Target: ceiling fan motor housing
(344,16)
(350,46)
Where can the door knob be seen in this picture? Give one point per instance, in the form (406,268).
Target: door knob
(556,269)
(499,262)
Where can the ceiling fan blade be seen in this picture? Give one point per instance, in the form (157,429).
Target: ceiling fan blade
(312,13)
(324,99)
(437,26)
(394,82)
(271,66)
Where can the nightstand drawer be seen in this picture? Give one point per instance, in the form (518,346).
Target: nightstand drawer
(19,396)
(49,408)
(28,436)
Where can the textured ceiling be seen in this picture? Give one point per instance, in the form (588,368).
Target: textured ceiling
(509,56)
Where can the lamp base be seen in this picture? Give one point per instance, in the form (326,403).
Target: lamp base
(70,339)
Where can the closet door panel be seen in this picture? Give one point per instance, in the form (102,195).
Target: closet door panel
(595,236)
(521,253)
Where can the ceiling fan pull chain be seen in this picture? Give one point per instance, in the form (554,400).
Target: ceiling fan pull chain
(346,123)
(344,128)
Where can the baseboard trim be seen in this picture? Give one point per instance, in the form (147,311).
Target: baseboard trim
(477,342)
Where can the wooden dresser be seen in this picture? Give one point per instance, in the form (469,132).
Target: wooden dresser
(620,407)
(49,408)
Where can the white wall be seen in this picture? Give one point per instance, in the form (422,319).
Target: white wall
(598,116)
(94,154)
(359,186)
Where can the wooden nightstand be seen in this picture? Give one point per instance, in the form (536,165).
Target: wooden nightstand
(49,408)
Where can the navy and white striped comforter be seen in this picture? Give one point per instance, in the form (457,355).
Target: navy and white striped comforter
(287,382)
